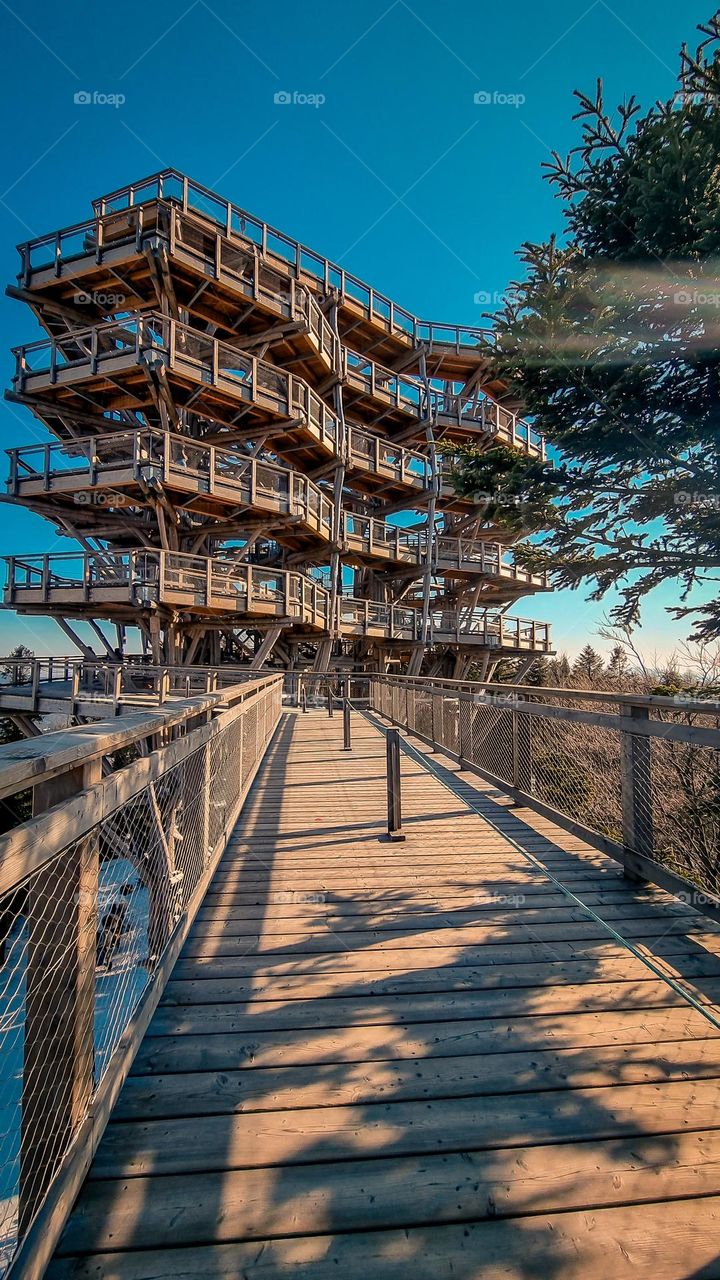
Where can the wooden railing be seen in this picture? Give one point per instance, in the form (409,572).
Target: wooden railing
(636,776)
(98,891)
(100,687)
(109,470)
(144,336)
(140,579)
(237,224)
(90,461)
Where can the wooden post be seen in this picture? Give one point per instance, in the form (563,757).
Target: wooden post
(636,793)
(347,743)
(392,743)
(294,690)
(303,698)
(329,701)
(432,720)
(464,747)
(59,1059)
(117,687)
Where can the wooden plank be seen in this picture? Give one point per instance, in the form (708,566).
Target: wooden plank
(195,1144)
(253,1088)
(358,1195)
(297,904)
(462,873)
(189,1052)
(668,950)
(407,1009)
(209,989)
(467,935)
(625,1242)
(411,919)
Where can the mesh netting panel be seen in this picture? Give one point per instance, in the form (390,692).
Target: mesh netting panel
(448,724)
(81,938)
(491,741)
(685,808)
(576,769)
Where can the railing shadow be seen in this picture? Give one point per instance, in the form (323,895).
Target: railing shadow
(384,1081)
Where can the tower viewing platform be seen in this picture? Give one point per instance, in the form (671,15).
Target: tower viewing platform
(254,452)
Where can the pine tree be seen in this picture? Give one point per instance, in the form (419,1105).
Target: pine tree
(18,663)
(618,666)
(588,664)
(670,682)
(611,344)
(539,674)
(560,670)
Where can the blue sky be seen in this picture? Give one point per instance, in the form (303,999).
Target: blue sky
(398,174)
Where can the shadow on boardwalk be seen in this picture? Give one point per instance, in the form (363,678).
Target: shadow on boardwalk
(421,1060)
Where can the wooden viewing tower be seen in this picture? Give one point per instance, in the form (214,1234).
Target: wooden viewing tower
(254,451)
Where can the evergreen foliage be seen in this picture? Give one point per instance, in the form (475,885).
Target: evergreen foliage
(611,341)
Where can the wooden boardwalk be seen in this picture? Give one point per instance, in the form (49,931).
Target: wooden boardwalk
(421,1060)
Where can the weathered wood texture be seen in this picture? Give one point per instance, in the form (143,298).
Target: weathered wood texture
(414,1060)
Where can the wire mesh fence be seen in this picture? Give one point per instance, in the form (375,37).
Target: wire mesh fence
(644,777)
(312,689)
(684,781)
(83,936)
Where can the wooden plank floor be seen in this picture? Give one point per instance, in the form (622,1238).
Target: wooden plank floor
(414,1060)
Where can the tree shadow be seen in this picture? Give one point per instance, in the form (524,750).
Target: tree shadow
(454,1077)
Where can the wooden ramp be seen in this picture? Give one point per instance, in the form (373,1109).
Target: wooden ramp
(421,1060)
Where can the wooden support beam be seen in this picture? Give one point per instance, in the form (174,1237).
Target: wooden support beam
(269,640)
(102,638)
(28,727)
(64,625)
(523,667)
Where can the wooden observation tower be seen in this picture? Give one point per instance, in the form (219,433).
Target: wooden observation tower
(254,451)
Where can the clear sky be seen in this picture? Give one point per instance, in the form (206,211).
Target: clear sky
(398,174)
